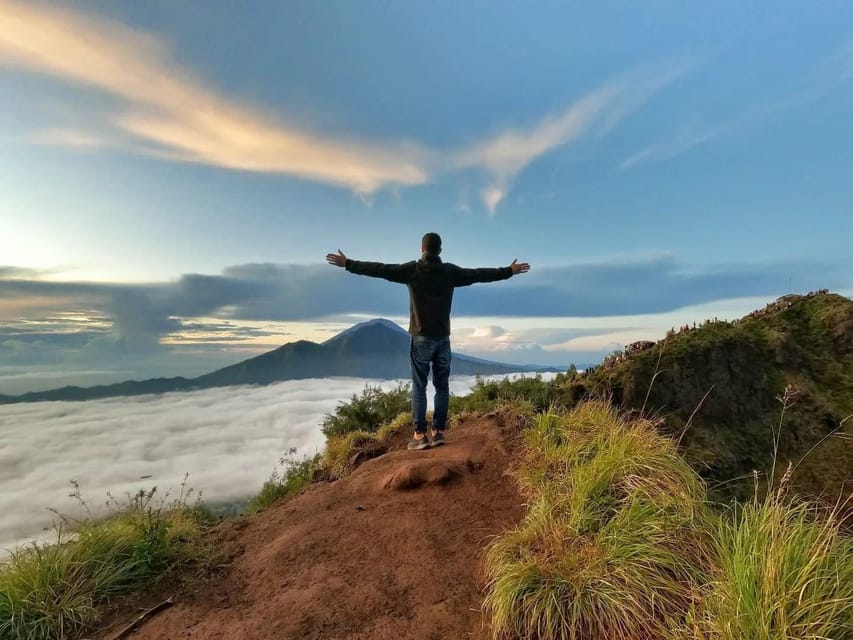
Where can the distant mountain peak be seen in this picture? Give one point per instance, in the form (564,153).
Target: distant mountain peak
(367,324)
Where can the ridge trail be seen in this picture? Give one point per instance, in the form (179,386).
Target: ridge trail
(391,551)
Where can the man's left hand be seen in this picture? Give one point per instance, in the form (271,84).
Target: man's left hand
(337,259)
(519,267)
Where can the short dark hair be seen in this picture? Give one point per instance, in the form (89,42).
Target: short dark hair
(431,243)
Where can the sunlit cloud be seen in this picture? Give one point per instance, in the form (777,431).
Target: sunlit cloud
(493,195)
(168,113)
(143,317)
(605,341)
(170,109)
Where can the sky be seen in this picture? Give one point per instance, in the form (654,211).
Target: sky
(172,176)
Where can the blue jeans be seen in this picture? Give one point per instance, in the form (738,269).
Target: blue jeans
(423,352)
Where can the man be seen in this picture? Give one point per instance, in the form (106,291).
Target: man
(431,283)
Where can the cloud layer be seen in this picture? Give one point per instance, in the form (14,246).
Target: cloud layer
(228,440)
(166,112)
(214,317)
(620,286)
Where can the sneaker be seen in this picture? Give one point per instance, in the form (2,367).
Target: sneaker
(418,444)
(437,438)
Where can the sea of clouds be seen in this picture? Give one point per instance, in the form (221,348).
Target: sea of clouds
(228,440)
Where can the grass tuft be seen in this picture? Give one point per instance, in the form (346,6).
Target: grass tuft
(620,542)
(614,541)
(340,449)
(402,422)
(784,570)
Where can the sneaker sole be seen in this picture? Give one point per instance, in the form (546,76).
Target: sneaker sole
(421,447)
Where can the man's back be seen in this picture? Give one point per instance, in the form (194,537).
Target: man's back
(431,283)
(430,297)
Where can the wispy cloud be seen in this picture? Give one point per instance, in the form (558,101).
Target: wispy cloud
(680,142)
(827,75)
(8,271)
(67,137)
(167,112)
(509,152)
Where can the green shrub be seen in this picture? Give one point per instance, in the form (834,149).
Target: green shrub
(542,394)
(367,411)
(50,591)
(294,476)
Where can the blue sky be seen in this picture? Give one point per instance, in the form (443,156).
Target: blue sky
(171,177)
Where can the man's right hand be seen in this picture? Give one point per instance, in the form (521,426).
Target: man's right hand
(337,259)
(519,267)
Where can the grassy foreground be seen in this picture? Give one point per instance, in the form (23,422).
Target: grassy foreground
(56,591)
(620,542)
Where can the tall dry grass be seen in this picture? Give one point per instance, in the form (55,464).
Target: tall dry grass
(620,542)
(615,540)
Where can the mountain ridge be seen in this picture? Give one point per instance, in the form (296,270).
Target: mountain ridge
(720,388)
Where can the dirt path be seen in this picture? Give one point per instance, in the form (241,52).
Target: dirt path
(392,551)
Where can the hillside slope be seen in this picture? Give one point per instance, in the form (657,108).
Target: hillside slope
(805,342)
(391,551)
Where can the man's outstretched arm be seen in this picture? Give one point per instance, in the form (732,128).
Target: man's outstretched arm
(465,277)
(393,272)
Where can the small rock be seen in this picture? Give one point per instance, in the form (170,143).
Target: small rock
(412,475)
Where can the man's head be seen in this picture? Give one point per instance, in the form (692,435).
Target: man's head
(431,244)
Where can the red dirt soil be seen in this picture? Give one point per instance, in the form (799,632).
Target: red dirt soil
(394,550)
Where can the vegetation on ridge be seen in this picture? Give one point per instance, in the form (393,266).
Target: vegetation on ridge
(717,385)
(782,569)
(620,542)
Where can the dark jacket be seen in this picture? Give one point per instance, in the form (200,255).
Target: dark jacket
(431,283)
